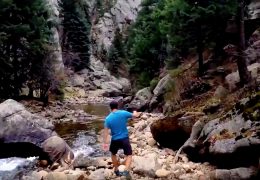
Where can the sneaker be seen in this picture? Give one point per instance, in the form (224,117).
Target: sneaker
(117,173)
(126,174)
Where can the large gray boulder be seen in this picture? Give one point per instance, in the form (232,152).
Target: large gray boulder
(24,134)
(162,85)
(235,174)
(19,125)
(233,79)
(141,99)
(231,141)
(146,165)
(253,51)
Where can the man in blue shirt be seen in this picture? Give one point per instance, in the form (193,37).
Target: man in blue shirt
(116,121)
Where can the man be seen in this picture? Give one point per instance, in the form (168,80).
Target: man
(116,121)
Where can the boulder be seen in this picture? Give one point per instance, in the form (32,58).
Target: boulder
(233,79)
(58,150)
(146,165)
(162,173)
(23,134)
(55,176)
(19,125)
(112,89)
(231,141)
(77,80)
(98,174)
(220,93)
(173,131)
(141,99)
(162,85)
(234,174)
(82,161)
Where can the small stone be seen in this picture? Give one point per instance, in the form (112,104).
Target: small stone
(101,163)
(162,173)
(179,172)
(175,167)
(161,161)
(185,177)
(185,159)
(148,135)
(151,142)
(108,173)
(56,176)
(91,168)
(134,146)
(134,140)
(169,159)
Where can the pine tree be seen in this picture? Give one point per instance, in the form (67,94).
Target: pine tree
(116,53)
(76,30)
(24,34)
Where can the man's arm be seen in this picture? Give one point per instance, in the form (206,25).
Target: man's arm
(105,139)
(137,114)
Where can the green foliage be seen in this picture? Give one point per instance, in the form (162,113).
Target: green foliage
(24,35)
(167,30)
(143,80)
(154,83)
(116,53)
(175,72)
(76,26)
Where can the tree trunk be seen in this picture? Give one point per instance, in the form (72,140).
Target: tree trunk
(241,61)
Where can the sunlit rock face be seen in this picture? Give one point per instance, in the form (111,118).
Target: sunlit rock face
(119,16)
(56,54)
(104,25)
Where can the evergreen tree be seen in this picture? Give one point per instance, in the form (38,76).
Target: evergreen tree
(116,53)
(24,34)
(76,30)
(145,45)
(167,30)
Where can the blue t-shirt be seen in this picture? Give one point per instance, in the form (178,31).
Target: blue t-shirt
(117,122)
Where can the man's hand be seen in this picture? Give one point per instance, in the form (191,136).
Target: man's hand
(137,114)
(105,147)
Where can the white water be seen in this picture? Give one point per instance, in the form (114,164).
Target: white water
(82,145)
(10,164)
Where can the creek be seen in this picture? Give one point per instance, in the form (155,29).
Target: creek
(81,136)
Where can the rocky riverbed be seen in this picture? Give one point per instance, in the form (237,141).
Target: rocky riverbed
(150,161)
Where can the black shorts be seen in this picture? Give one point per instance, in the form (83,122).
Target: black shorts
(124,144)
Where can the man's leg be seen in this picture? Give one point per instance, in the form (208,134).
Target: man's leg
(128,162)
(128,152)
(115,161)
(113,149)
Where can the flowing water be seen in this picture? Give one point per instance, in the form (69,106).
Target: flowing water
(81,136)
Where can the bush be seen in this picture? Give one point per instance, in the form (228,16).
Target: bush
(154,83)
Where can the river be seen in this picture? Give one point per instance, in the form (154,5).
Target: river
(81,136)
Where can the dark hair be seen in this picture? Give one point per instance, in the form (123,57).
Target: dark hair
(113,105)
